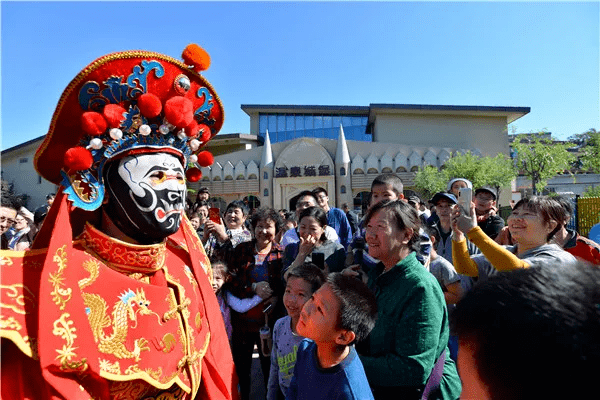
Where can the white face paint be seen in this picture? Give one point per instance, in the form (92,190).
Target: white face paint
(147,195)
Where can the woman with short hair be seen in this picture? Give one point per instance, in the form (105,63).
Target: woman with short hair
(410,336)
(532,224)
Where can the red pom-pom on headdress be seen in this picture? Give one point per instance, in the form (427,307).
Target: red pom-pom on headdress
(193,174)
(179,111)
(78,159)
(93,123)
(114,115)
(192,129)
(149,105)
(196,56)
(205,158)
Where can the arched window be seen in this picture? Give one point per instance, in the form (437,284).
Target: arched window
(372,171)
(265,175)
(266,192)
(400,169)
(343,189)
(343,171)
(386,170)
(359,171)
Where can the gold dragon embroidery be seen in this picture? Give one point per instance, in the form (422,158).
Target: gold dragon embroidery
(124,311)
(60,295)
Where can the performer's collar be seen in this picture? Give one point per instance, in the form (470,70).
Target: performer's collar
(122,256)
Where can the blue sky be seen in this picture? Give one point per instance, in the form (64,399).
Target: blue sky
(539,55)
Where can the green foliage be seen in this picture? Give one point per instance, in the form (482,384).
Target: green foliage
(541,159)
(591,192)
(463,166)
(429,181)
(590,159)
(495,172)
(481,171)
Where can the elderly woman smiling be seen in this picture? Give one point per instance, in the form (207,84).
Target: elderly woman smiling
(532,224)
(411,333)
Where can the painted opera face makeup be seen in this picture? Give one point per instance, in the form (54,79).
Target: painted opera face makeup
(146,195)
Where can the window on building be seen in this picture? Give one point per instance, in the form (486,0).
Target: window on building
(228,178)
(343,189)
(252,177)
(240,177)
(343,171)
(39,180)
(372,171)
(400,169)
(23,160)
(266,193)
(358,171)
(265,175)
(386,170)
(283,127)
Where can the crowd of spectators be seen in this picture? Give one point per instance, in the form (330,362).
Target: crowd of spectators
(441,286)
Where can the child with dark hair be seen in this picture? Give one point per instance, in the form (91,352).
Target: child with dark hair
(313,245)
(339,314)
(301,283)
(227,301)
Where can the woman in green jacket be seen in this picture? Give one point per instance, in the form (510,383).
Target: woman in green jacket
(411,333)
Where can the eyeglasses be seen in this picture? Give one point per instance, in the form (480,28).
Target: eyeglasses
(10,221)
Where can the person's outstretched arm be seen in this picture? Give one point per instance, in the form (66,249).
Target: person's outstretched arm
(500,258)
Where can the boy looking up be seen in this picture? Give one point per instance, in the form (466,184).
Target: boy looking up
(301,283)
(340,313)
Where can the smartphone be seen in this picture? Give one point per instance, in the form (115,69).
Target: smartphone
(319,260)
(214,214)
(465,196)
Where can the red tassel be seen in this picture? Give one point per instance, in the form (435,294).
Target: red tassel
(114,115)
(196,56)
(193,174)
(93,123)
(179,111)
(78,159)
(205,158)
(149,105)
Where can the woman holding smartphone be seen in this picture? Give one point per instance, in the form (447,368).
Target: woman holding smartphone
(314,246)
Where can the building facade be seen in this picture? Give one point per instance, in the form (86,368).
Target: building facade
(308,146)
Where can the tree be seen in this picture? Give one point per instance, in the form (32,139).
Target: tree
(591,192)
(430,180)
(464,166)
(481,171)
(590,159)
(496,172)
(541,159)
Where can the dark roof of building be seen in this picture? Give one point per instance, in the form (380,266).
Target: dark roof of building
(27,143)
(512,113)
